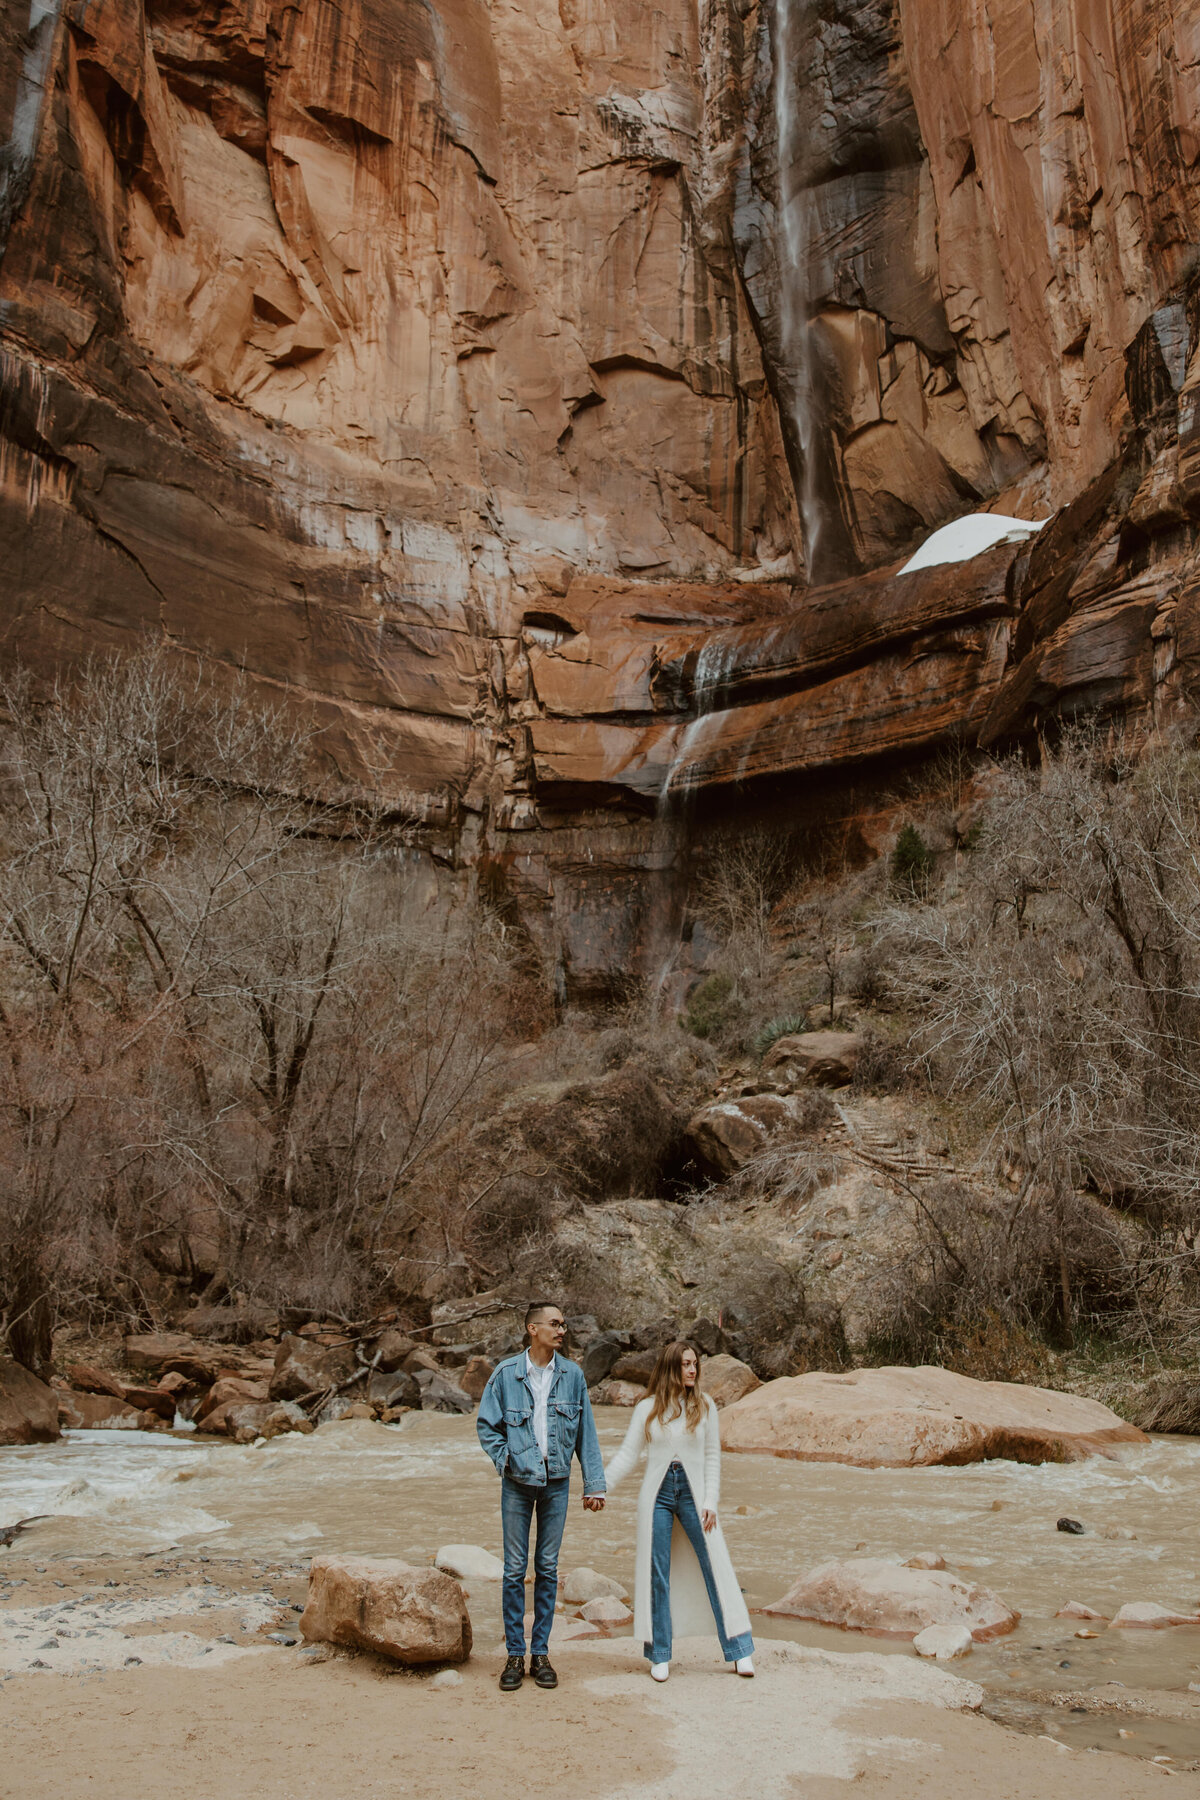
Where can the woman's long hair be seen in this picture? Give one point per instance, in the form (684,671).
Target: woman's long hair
(667,1391)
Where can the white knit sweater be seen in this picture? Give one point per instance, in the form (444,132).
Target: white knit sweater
(699,1452)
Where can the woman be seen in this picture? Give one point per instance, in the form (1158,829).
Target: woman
(684,1579)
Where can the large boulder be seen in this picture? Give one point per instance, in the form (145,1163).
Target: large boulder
(817,1058)
(440,1394)
(599,1355)
(725,1379)
(157,1352)
(303,1368)
(885,1598)
(902,1418)
(156,1400)
(391,1348)
(229,1388)
(475,1377)
(91,1380)
(28,1407)
(635,1365)
(229,1324)
(245,1421)
(98,1412)
(396,1388)
(725,1135)
(374,1603)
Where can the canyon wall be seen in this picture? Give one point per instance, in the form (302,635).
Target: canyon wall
(545,397)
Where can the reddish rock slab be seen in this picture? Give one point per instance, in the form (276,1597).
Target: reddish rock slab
(904,1418)
(99,1412)
(28,1407)
(161,1352)
(819,1058)
(726,1379)
(410,1614)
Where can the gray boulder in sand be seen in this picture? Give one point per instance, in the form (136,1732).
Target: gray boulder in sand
(726,1379)
(376,1603)
(904,1418)
(28,1407)
(469,1562)
(877,1595)
(585,1584)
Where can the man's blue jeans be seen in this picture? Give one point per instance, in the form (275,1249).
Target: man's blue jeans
(674,1501)
(518,1507)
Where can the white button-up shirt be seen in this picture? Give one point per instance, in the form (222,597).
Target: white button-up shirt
(540,1381)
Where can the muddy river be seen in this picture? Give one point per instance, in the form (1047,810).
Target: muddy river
(403,1490)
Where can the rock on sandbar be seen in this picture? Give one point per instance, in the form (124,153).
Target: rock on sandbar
(469,1562)
(890,1600)
(584,1584)
(904,1418)
(375,1603)
(1144,1615)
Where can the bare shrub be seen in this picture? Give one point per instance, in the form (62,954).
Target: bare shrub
(1057,986)
(221,1016)
(989,1275)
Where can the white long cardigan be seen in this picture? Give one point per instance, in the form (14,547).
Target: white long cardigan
(700,1453)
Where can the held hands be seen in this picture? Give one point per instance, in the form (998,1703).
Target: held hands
(593,1503)
(708,1519)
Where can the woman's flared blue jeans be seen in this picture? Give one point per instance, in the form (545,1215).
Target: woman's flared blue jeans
(674,1501)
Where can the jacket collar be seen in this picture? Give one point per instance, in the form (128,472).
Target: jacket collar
(558,1364)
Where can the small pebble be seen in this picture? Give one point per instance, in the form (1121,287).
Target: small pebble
(281,1637)
(446,1678)
(133,1662)
(1071,1526)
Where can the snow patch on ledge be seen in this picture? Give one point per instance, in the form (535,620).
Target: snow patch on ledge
(968,537)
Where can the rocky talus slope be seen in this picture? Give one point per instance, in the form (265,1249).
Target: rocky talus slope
(548,398)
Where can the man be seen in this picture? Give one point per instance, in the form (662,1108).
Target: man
(535,1416)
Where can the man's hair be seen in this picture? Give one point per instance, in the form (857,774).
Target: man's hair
(534,1308)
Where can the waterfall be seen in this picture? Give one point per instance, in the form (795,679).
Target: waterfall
(34,79)
(792,25)
(714,662)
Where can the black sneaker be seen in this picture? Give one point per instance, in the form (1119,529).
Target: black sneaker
(543,1674)
(512,1675)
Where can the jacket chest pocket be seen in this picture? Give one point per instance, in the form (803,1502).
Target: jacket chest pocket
(517,1415)
(566,1414)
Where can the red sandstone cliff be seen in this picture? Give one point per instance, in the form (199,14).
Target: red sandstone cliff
(451,368)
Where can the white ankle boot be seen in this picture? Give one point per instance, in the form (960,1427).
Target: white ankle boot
(660,1671)
(744,1665)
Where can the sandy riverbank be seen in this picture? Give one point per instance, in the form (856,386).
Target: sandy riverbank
(271,1725)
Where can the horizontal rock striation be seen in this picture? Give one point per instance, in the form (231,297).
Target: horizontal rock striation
(504,390)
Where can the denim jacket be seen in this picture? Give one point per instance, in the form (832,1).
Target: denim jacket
(505,1426)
